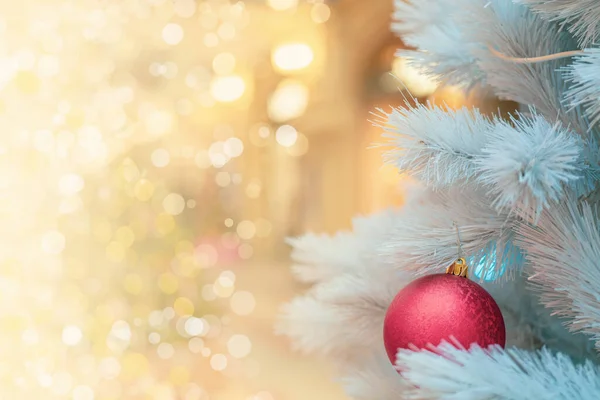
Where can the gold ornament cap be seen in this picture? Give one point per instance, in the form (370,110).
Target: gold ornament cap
(458,268)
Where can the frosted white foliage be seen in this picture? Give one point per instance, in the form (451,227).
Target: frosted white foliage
(591,167)
(456,50)
(410,17)
(584,78)
(524,164)
(342,318)
(436,145)
(426,241)
(580,17)
(442,50)
(342,314)
(529,324)
(322,257)
(481,374)
(375,379)
(509,196)
(528,163)
(516,31)
(564,249)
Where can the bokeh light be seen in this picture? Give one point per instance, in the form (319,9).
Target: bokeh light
(227,88)
(286,135)
(282,4)
(243,303)
(288,101)
(412,79)
(155,154)
(320,13)
(223,63)
(292,56)
(172,33)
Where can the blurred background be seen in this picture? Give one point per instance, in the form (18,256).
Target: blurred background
(154,156)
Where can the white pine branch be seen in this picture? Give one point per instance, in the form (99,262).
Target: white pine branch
(323,257)
(426,241)
(410,17)
(443,51)
(564,249)
(375,379)
(524,164)
(590,162)
(319,257)
(352,290)
(584,78)
(580,17)
(436,145)
(342,318)
(529,324)
(494,373)
(528,163)
(515,31)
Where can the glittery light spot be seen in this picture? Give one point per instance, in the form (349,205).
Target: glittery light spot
(239,346)
(174,204)
(242,303)
(172,34)
(218,362)
(53,242)
(71,335)
(183,306)
(83,393)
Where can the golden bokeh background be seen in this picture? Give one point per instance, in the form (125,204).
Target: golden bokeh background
(154,155)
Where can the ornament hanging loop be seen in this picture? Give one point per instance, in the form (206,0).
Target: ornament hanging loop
(458,267)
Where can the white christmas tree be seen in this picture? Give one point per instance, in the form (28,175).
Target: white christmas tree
(524,193)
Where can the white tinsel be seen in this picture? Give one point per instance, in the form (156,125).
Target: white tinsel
(478,374)
(584,78)
(564,249)
(580,17)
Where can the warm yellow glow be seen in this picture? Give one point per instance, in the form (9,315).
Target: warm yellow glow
(281,5)
(299,148)
(172,34)
(292,56)
(414,80)
(184,8)
(226,89)
(286,136)
(289,101)
(211,39)
(449,96)
(320,13)
(223,63)
(139,168)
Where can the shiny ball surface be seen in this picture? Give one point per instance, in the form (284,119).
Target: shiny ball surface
(435,307)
